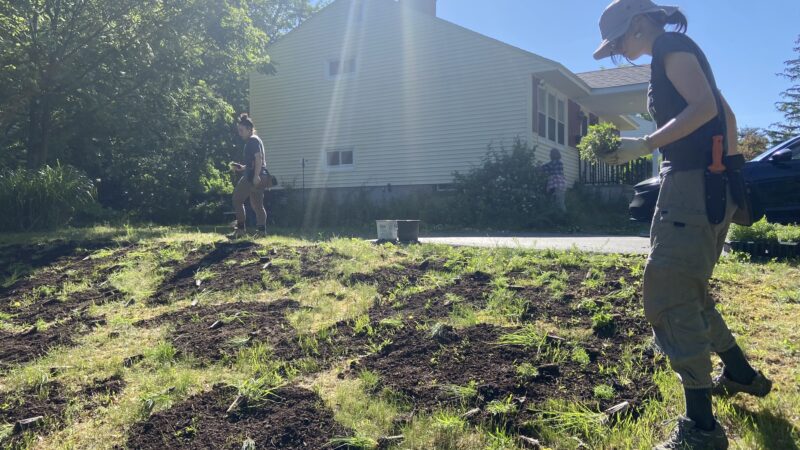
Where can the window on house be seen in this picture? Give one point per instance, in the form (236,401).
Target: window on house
(339,158)
(551,116)
(337,67)
(542,108)
(562,122)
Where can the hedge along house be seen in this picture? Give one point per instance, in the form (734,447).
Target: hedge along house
(382,94)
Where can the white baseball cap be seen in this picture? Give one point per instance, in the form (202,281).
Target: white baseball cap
(617,17)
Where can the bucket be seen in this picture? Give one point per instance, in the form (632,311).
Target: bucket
(408,230)
(387,230)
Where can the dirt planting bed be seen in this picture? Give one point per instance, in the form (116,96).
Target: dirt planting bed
(40,297)
(290,418)
(212,333)
(17,348)
(229,265)
(425,369)
(41,409)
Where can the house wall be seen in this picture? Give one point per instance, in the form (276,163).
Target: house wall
(426,99)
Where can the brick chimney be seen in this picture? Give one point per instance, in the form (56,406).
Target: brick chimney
(426,6)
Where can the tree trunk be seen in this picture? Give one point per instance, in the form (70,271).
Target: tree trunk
(40,115)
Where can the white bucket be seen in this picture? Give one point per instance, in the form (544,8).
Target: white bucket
(387,230)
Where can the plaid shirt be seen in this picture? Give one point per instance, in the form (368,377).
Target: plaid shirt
(555,176)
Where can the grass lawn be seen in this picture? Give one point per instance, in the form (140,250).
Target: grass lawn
(171,338)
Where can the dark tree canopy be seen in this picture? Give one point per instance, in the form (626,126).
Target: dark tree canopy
(139,94)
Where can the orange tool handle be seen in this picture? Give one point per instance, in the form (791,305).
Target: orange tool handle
(716,156)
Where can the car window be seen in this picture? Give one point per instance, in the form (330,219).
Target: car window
(796,152)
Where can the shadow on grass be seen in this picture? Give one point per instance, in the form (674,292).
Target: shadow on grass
(772,432)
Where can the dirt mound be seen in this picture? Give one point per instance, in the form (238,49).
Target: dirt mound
(426,370)
(291,418)
(17,348)
(42,409)
(214,332)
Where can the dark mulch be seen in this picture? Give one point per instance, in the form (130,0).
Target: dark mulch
(44,305)
(17,348)
(295,418)
(239,263)
(419,367)
(50,402)
(207,332)
(25,258)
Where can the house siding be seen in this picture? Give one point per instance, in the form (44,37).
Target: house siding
(425,101)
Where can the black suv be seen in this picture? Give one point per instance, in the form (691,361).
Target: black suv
(773,179)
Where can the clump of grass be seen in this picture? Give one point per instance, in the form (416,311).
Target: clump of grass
(355,442)
(362,326)
(503,407)
(465,394)
(603,324)
(580,356)
(371,380)
(527,371)
(604,392)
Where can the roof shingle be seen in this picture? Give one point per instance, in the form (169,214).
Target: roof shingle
(621,76)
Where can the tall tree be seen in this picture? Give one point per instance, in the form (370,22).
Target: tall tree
(752,142)
(790,105)
(138,93)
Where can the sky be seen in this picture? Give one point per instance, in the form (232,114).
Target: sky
(746,41)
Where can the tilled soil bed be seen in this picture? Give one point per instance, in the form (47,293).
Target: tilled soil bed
(291,418)
(42,409)
(35,298)
(234,264)
(212,333)
(16,348)
(425,369)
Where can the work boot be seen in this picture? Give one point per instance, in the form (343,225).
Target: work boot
(725,387)
(686,436)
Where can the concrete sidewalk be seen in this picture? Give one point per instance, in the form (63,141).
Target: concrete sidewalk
(597,244)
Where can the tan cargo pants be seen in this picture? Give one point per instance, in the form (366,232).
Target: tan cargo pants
(245,189)
(685,247)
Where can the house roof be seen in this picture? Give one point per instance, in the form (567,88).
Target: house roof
(621,76)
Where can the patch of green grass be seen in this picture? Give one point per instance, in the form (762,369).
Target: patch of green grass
(526,371)
(604,392)
(503,407)
(464,394)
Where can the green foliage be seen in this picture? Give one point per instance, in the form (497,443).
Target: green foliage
(604,392)
(507,190)
(763,231)
(602,139)
(603,324)
(46,198)
(135,93)
(790,105)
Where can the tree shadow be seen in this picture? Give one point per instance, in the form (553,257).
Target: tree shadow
(772,432)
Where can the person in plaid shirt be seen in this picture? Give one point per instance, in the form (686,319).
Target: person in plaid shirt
(556,183)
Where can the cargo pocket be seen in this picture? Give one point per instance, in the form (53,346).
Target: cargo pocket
(684,240)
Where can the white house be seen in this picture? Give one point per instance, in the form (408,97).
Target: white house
(383,93)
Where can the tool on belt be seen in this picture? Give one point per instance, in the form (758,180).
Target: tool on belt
(716,183)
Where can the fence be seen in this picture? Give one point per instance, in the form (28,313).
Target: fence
(628,174)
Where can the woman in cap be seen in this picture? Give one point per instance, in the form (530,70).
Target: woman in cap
(685,243)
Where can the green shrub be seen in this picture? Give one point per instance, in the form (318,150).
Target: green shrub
(507,190)
(763,231)
(44,199)
(601,139)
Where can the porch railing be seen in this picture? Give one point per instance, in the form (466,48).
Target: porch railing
(630,174)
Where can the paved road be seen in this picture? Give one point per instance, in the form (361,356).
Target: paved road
(598,244)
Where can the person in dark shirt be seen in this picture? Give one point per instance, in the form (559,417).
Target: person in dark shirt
(685,245)
(556,182)
(255,178)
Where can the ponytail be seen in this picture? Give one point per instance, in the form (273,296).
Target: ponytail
(677,20)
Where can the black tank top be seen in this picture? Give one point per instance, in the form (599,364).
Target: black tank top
(665,103)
